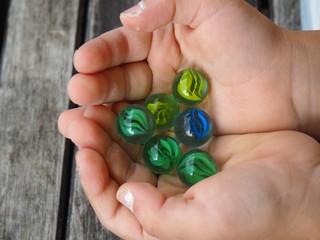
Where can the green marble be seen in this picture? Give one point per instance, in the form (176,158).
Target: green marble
(161,154)
(135,124)
(190,87)
(194,166)
(164,109)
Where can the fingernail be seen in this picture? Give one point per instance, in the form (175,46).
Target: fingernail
(126,198)
(135,10)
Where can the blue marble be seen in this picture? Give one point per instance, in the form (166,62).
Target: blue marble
(193,127)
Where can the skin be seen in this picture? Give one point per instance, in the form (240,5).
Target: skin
(263,85)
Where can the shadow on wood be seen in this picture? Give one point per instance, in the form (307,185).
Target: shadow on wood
(4,8)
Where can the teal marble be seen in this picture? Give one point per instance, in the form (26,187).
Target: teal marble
(194,166)
(135,124)
(193,127)
(190,87)
(164,109)
(161,154)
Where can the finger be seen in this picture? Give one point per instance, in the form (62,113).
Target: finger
(106,119)
(209,208)
(124,83)
(110,49)
(101,192)
(67,117)
(86,133)
(159,216)
(149,15)
(118,107)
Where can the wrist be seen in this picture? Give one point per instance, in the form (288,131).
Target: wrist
(305,75)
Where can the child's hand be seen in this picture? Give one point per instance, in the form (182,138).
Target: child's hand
(262,79)
(249,61)
(267,187)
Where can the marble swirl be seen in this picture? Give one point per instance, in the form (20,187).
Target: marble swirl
(194,166)
(161,154)
(164,109)
(190,87)
(193,127)
(161,111)
(135,124)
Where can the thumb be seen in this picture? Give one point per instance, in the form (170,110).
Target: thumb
(149,15)
(158,215)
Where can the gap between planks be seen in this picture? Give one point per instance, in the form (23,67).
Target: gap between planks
(4,9)
(63,211)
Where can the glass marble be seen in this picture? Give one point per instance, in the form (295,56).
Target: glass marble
(164,109)
(135,124)
(193,127)
(161,154)
(194,166)
(190,87)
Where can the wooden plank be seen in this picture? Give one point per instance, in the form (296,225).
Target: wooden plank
(104,15)
(286,13)
(261,5)
(83,223)
(37,63)
(253,3)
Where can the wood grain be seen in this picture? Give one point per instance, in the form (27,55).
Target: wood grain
(4,7)
(286,13)
(37,63)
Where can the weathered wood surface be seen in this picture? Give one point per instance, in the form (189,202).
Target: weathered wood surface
(286,13)
(36,65)
(40,194)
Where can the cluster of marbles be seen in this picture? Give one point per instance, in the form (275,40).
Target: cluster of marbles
(137,124)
